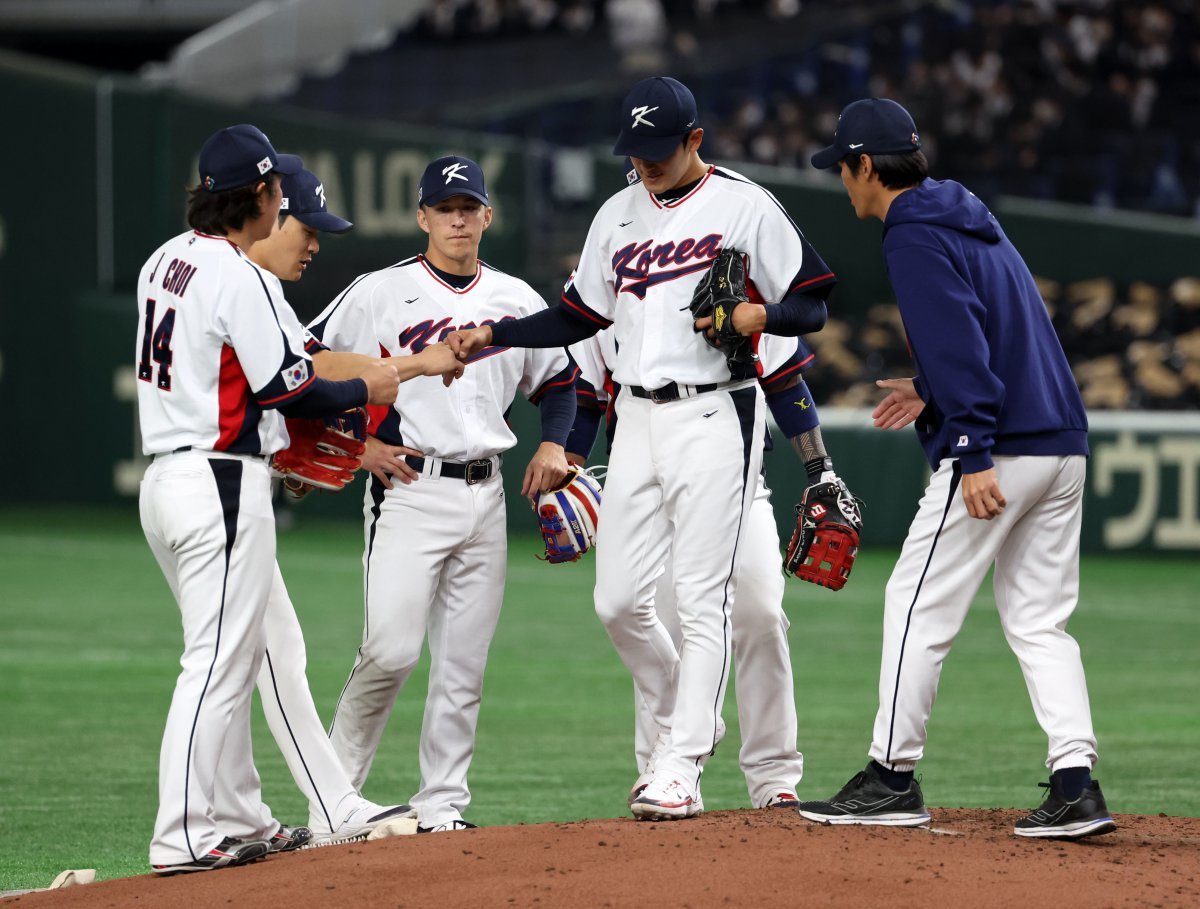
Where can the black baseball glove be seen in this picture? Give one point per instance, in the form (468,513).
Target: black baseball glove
(721,289)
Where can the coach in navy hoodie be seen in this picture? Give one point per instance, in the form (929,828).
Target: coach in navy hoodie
(1002,423)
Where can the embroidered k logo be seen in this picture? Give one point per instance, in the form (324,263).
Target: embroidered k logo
(452,172)
(639,116)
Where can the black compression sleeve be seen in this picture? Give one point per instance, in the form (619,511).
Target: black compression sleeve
(584,432)
(796,314)
(325,398)
(557,408)
(553,327)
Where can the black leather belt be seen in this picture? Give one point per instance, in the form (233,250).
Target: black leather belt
(471,471)
(669,392)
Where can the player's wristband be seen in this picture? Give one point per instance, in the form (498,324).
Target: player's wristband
(794,410)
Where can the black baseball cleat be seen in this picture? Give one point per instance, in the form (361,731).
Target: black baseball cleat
(1058,818)
(456,824)
(228,853)
(288,838)
(867,799)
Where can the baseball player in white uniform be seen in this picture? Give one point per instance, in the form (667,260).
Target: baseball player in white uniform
(686,458)
(337,812)
(436,546)
(1004,428)
(762,660)
(218,355)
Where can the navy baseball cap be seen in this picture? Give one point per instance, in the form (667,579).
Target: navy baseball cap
(304,199)
(658,112)
(452,175)
(872,126)
(241,156)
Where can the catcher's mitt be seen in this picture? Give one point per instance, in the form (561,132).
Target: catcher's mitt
(323,454)
(721,289)
(825,542)
(568,516)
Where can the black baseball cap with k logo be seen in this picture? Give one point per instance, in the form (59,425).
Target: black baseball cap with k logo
(304,199)
(452,175)
(872,126)
(658,112)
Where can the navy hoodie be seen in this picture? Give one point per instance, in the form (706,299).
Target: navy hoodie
(990,368)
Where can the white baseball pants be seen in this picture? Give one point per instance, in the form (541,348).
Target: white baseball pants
(680,480)
(1034,545)
(762,662)
(295,725)
(435,562)
(209,522)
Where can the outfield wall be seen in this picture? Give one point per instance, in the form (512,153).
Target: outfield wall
(96,181)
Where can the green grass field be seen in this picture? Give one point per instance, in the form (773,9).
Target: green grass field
(90,644)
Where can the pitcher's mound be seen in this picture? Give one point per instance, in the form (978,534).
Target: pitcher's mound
(968,858)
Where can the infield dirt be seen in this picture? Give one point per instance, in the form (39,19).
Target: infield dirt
(766,858)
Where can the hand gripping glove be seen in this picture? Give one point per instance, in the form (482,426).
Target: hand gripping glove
(825,542)
(721,289)
(568,516)
(323,454)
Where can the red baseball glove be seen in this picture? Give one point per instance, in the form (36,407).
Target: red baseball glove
(323,454)
(825,543)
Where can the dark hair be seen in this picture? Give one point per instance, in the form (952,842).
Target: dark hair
(283,216)
(895,171)
(219,213)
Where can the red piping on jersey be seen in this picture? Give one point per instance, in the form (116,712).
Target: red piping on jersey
(541,392)
(695,189)
(451,287)
(584,311)
(291,394)
(217,237)
(812,281)
(233,394)
(377,413)
(781,374)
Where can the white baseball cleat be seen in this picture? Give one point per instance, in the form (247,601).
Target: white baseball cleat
(666,799)
(367,821)
(660,749)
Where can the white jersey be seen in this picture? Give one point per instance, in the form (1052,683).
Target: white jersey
(399,310)
(643,258)
(217,345)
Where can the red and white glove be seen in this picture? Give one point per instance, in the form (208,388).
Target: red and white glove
(323,454)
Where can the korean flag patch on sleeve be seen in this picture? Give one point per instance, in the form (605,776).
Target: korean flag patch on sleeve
(295,375)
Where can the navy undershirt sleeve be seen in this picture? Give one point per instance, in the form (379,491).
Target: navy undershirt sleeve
(325,398)
(553,327)
(584,432)
(796,314)
(557,408)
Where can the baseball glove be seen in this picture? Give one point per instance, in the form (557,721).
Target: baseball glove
(323,454)
(721,289)
(825,542)
(568,516)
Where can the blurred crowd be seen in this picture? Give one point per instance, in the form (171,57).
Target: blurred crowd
(1088,101)
(1132,347)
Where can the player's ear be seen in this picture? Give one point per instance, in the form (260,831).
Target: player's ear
(487,216)
(422,221)
(695,137)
